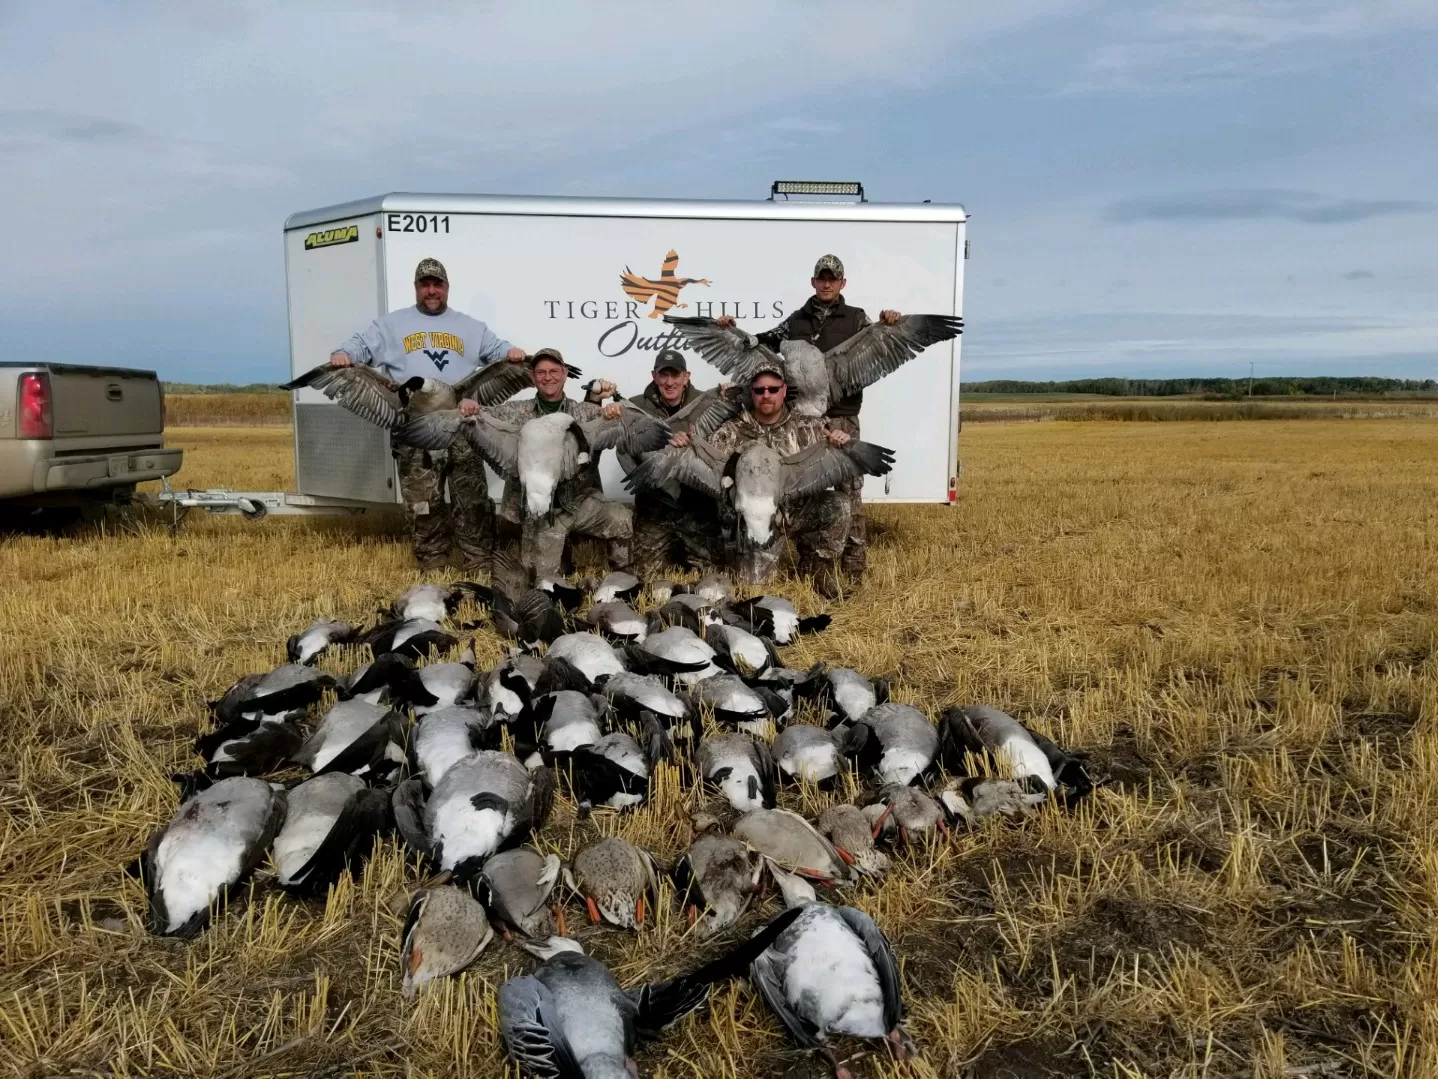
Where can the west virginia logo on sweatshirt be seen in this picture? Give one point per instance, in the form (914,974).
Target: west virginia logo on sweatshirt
(440,346)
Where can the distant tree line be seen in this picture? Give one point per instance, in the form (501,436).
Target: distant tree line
(1219,387)
(221,387)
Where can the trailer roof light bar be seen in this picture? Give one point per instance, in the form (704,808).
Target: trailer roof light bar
(786,188)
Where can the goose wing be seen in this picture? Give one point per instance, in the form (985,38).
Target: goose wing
(706,414)
(881,952)
(880,350)
(633,432)
(495,383)
(823,465)
(362,390)
(727,347)
(495,440)
(533,1031)
(698,466)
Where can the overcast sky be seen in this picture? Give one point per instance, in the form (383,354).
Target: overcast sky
(1158,187)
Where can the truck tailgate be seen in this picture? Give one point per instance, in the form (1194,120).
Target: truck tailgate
(91,403)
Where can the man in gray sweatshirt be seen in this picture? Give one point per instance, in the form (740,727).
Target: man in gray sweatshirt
(432,340)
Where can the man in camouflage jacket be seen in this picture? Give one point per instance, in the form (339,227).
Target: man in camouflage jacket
(526,548)
(818,524)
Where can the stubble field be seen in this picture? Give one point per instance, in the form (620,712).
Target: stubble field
(1236,620)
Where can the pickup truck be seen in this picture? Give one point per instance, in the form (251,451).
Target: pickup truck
(74,436)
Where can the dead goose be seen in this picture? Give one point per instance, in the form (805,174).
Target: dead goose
(615,770)
(566,720)
(1026,756)
(588,653)
(714,588)
(435,603)
(568,1018)
(832,971)
(483,804)
(248,747)
(413,637)
(330,824)
(741,768)
(844,693)
(515,886)
(741,652)
(689,611)
(445,932)
(735,703)
(355,737)
(720,876)
(215,840)
(562,591)
(615,878)
(852,834)
(504,701)
(534,618)
(775,617)
(631,696)
(907,811)
(617,585)
(894,741)
(435,685)
(975,797)
(808,753)
(617,621)
(284,689)
(306,646)
(446,736)
(790,840)
(677,652)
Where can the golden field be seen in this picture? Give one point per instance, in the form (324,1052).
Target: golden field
(1237,621)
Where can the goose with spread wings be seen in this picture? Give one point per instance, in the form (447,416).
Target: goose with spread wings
(542,452)
(817,379)
(372,395)
(759,480)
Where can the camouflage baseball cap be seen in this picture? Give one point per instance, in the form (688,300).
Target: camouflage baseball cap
(430,268)
(670,359)
(828,264)
(769,367)
(548,354)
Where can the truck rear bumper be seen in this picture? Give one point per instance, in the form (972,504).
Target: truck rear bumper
(121,469)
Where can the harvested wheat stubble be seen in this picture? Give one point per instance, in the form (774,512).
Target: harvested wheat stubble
(1238,620)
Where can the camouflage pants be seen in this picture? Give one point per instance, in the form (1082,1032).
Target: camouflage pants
(661,530)
(818,526)
(535,548)
(855,558)
(436,527)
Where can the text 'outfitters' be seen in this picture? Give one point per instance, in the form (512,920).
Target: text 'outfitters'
(624,336)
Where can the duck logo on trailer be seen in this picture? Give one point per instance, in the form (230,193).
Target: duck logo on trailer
(664,290)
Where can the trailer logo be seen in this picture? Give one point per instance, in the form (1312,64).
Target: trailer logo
(331,237)
(664,291)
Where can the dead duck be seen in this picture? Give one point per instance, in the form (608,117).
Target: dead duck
(676,652)
(330,824)
(617,621)
(356,737)
(719,876)
(445,932)
(618,585)
(413,637)
(515,886)
(306,646)
(284,689)
(741,768)
(1028,757)
(973,798)
(617,881)
(906,811)
(215,840)
(714,588)
(810,754)
(484,804)
(445,737)
(831,972)
(792,842)
(852,834)
(247,747)
(741,652)
(896,742)
(776,618)
(569,1018)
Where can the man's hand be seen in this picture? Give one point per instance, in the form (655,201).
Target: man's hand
(604,389)
(681,439)
(724,320)
(611,412)
(888,318)
(468,407)
(515,355)
(341,359)
(837,438)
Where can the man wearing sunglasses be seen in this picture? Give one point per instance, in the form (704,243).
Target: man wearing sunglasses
(817,524)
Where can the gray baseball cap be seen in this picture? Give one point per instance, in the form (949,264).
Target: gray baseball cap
(430,268)
(828,264)
(670,359)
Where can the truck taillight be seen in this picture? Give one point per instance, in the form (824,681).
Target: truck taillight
(37,419)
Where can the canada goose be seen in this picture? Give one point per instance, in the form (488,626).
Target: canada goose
(757,478)
(569,1019)
(566,720)
(741,768)
(894,741)
(445,932)
(355,737)
(617,621)
(906,810)
(306,646)
(214,841)
(505,702)
(774,616)
(413,637)
(720,876)
(832,971)
(634,696)
(515,886)
(808,753)
(435,602)
(617,585)
(446,736)
(845,693)
(483,804)
(370,681)
(562,591)
(436,685)
(740,651)
(853,837)
(588,653)
(790,840)
(687,610)
(816,379)
(675,651)
(1025,755)
(735,703)
(615,878)
(247,747)
(975,797)
(533,618)
(330,824)
(284,689)
(543,452)
(614,771)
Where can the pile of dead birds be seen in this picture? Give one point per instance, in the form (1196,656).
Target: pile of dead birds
(463,765)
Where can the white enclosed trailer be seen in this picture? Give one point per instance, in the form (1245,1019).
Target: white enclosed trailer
(573,273)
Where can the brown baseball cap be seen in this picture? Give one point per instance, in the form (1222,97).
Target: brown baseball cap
(828,264)
(670,359)
(430,268)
